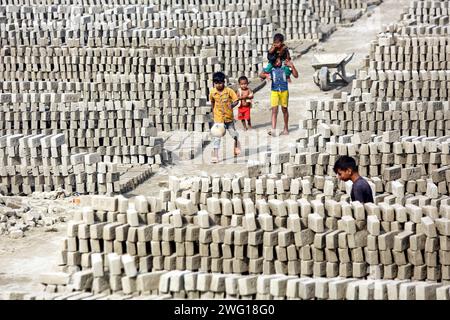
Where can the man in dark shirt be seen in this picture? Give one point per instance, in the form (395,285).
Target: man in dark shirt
(346,169)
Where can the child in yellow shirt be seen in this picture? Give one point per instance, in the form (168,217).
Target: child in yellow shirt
(223,100)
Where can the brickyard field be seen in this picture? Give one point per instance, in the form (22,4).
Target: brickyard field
(107,186)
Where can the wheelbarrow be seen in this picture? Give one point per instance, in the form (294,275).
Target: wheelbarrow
(322,63)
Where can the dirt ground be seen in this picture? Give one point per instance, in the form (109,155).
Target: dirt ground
(22,260)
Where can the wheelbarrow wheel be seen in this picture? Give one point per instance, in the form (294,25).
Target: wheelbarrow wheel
(324,76)
(316,78)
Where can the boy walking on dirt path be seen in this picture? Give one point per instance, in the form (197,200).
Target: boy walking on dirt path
(223,100)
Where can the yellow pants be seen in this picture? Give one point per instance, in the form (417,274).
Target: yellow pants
(279,98)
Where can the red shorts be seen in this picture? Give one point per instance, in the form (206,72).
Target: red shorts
(244,113)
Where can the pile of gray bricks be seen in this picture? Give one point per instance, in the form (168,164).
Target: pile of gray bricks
(409,60)
(399,168)
(428,12)
(407,68)
(328,11)
(146,244)
(352,4)
(199,285)
(40,162)
(404,84)
(232,22)
(370,151)
(178,84)
(297,20)
(345,116)
(156,55)
(119,131)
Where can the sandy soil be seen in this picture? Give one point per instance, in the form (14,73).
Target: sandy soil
(22,260)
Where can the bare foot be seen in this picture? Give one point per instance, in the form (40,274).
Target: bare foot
(284,133)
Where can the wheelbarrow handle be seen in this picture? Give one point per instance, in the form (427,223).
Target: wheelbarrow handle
(347,60)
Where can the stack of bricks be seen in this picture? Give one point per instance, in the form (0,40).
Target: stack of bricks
(76,23)
(133,175)
(121,246)
(180,84)
(352,4)
(396,177)
(200,285)
(256,19)
(254,23)
(110,74)
(41,162)
(132,73)
(163,58)
(296,20)
(302,19)
(120,131)
(404,84)
(409,60)
(240,55)
(149,30)
(345,116)
(328,11)
(419,165)
(428,12)
(406,68)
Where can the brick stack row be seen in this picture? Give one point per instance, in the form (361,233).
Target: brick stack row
(41,162)
(119,132)
(118,244)
(199,285)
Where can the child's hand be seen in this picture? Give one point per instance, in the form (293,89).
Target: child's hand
(234,104)
(277,45)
